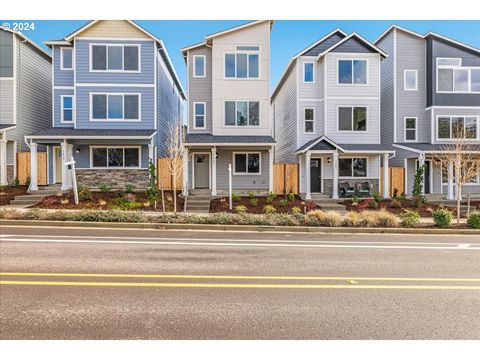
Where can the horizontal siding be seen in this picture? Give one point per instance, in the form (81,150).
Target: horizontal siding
(318,124)
(6,101)
(61,77)
(309,90)
(387,89)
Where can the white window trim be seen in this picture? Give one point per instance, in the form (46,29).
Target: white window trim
(405,88)
(352,83)
(353,177)
(91,45)
(474,183)
(248,112)
(456,67)
(450,117)
(235,52)
(353,131)
(92,119)
(305,121)
(313,72)
(405,128)
(204,115)
(204,66)
(62,120)
(116,147)
(246,153)
(61,57)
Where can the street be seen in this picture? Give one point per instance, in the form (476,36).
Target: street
(66,283)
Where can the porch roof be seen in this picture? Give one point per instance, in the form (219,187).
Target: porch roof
(68,133)
(323,143)
(427,148)
(229,140)
(7,126)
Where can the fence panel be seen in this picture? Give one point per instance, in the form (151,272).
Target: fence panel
(397,180)
(285,178)
(23,167)
(164,177)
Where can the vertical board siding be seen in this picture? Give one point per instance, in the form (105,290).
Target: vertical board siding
(200,89)
(114,28)
(23,167)
(61,77)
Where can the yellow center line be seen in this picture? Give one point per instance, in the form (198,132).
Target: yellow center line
(255,286)
(233,277)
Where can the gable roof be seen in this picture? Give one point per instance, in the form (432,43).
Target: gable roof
(392,27)
(361,39)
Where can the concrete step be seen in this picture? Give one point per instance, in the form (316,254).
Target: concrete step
(198,206)
(332,206)
(44,192)
(24,202)
(29,197)
(200,198)
(195,201)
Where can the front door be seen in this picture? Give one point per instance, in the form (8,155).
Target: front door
(315,175)
(57,153)
(201,170)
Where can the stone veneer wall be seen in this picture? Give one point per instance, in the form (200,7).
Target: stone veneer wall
(328,184)
(117,178)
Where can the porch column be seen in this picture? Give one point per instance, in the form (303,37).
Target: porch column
(3,159)
(151,149)
(33,167)
(185,171)
(64,168)
(450,195)
(214,171)
(308,193)
(335,176)
(386,179)
(421,162)
(270,169)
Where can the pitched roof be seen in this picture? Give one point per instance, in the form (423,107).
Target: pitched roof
(359,38)
(7,126)
(227,139)
(29,41)
(323,143)
(430,148)
(69,133)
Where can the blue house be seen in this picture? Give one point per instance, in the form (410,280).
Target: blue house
(114,92)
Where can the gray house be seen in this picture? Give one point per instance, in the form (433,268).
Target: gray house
(430,87)
(25,97)
(326,115)
(228,111)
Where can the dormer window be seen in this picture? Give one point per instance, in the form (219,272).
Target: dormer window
(243,63)
(352,72)
(114,58)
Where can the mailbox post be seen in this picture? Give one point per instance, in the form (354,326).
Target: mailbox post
(71,166)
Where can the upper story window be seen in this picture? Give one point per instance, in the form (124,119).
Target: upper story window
(352,72)
(454,127)
(308,72)
(242,113)
(352,118)
(66,58)
(452,77)
(67,108)
(115,107)
(309,120)
(243,63)
(199,66)
(199,115)
(115,58)
(352,167)
(6,49)
(410,80)
(410,129)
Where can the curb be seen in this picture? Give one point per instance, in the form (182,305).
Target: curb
(242,228)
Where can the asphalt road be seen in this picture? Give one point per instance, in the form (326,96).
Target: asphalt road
(59,283)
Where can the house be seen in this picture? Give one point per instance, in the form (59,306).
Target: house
(430,87)
(114,93)
(228,111)
(326,115)
(25,97)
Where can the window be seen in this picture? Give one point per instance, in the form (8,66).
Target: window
(115,58)
(6,51)
(410,80)
(450,127)
(352,118)
(352,71)
(199,115)
(352,167)
(199,66)
(453,77)
(243,64)
(410,129)
(309,117)
(66,58)
(474,180)
(246,163)
(115,107)
(115,157)
(67,108)
(308,72)
(242,113)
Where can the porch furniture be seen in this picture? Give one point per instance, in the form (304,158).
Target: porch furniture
(363,189)
(346,190)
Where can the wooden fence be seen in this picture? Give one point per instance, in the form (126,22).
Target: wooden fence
(23,167)
(285,178)
(397,180)
(164,177)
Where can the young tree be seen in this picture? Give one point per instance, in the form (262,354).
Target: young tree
(174,150)
(465,162)
(152,190)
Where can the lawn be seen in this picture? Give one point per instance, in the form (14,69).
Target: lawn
(8,193)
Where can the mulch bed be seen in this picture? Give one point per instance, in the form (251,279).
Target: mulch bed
(8,193)
(221,205)
(109,201)
(424,210)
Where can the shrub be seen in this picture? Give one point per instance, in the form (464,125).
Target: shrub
(27,181)
(129,197)
(395,204)
(291,196)
(474,220)
(240,209)
(254,202)
(236,197)
(442,218)
(129,188)
(418,200)
(377,197)
(410,218)
(105,188)
(85,195)
(271,196)
(2,188)
(355,200)
(16,182)
(251,195)
(269,209)
(330,218)
(372,204)
(418,181)
(370,219)
(283,202)
(296,210)
(352,219)
(385,219)
(395,193)
(152,189)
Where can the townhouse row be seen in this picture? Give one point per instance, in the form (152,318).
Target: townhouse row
(345,109)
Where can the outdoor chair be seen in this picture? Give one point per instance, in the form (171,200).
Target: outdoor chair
(346,190)
(363,189)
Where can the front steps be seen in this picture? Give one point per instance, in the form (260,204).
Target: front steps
(34,197)
(326,203)
(198,201)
